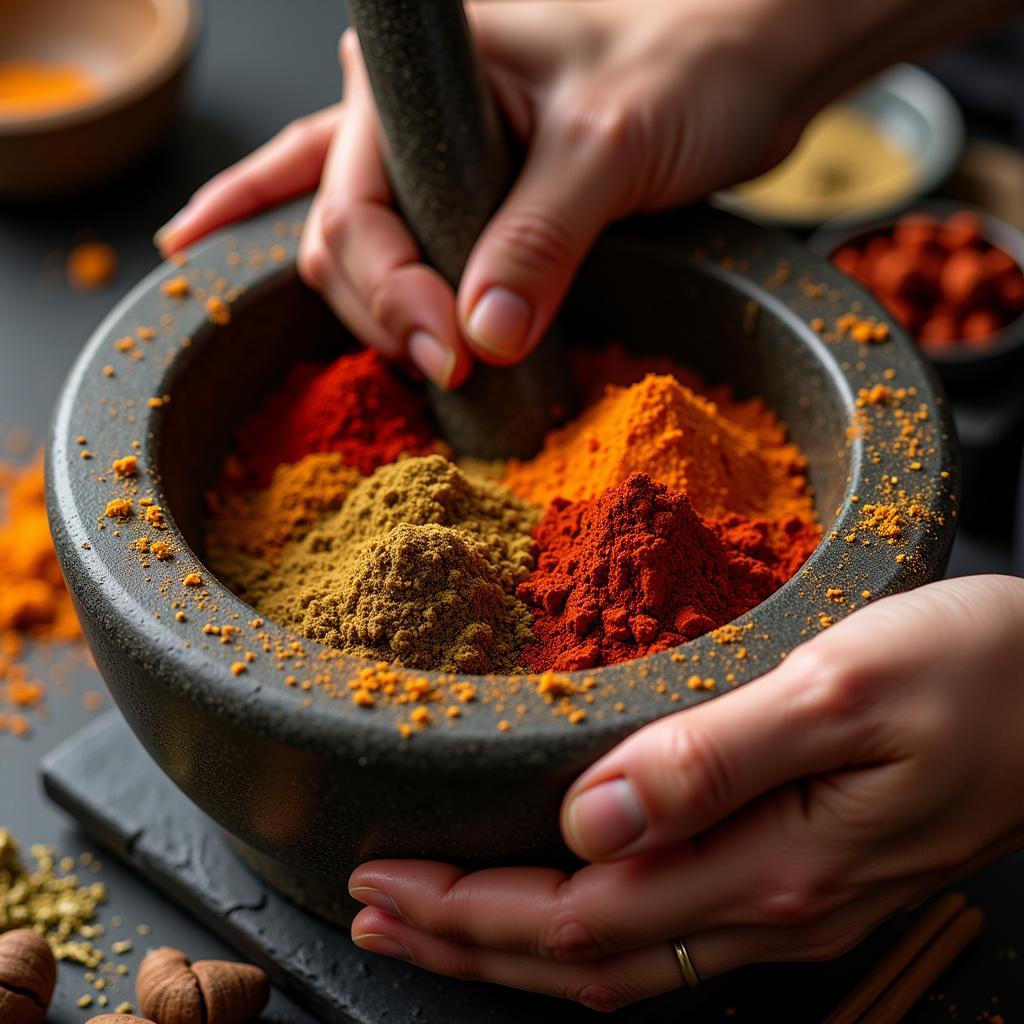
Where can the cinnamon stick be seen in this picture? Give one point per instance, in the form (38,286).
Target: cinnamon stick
(910,946)
(923,972)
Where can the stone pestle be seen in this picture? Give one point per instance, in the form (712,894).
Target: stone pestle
(451,163)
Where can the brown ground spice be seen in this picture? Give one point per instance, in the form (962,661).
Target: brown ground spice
(426,596)
(419,565)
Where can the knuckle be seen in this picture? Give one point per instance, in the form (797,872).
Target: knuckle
(298,133)
(696,774)
(567,938)
(606,992)
(832,684)
(462,962)
(337,224)
(385,303)
(313,265)
(796,902)
(607,124)
(537,240)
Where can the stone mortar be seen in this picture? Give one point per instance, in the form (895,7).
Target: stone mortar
(310,785)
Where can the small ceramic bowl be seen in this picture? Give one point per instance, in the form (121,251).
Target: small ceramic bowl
(916,112)
(133,52)
(960,365)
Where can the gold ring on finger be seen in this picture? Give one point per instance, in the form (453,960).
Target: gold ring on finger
(690,975)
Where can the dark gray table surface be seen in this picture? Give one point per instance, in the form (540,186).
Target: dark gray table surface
(260,63)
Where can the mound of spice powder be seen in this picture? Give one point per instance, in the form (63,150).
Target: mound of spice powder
(661,427)
(419,565)
(34,602)
(630,573)
(425,596)
(261,523)
(358,406)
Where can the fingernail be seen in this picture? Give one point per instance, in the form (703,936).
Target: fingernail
(437,361)
(374,898)
(606,818)
(499,322)
(163,236)
(383,945)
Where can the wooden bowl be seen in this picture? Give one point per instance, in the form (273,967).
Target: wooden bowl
(133,51)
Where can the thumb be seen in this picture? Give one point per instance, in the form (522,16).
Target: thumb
(527,256)
(680,775)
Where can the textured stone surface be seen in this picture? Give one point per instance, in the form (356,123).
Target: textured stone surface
(451,164)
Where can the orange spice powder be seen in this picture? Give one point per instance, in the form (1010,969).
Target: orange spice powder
(34,602)
(738,463)
(261,523)
(29,87)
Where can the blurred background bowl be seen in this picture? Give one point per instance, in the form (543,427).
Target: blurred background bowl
(915,114)
(131,53)
(963,363)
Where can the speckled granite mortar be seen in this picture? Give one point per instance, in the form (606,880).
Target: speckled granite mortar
(311,786)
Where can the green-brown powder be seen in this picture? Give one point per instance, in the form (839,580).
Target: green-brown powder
(54,903)
(418,566)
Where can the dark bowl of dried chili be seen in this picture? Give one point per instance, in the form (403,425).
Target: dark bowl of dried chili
(308,783)
(951,274)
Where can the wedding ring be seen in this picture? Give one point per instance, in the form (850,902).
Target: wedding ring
(690,975)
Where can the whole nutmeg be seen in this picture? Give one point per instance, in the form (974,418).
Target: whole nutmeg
(117,1018)
(173,990)
(28,974)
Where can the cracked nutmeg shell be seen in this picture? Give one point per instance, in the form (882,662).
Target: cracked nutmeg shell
(28,974)
(172,990)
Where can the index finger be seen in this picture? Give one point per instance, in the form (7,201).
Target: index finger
(288,165)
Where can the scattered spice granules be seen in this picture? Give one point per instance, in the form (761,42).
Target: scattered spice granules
(54,903)
(34,602)
(357,406)
(91,266)
(630,573)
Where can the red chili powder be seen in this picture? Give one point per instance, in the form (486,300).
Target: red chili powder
(356,406)
(632,572)
(783,545)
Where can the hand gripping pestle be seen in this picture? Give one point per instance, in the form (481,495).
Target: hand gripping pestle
(450,164)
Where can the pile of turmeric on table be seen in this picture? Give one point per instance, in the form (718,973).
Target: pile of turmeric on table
(34,602)
(664,510)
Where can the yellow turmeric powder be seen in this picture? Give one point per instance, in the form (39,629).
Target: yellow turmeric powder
(736,463)
(260,523)
(29,87)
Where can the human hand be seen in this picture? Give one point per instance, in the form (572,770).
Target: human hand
(781,821)
(616,113)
